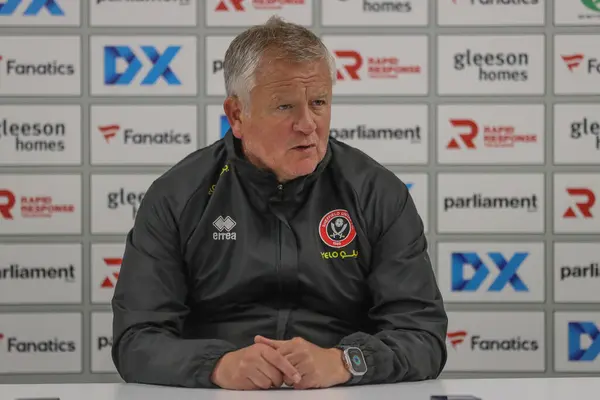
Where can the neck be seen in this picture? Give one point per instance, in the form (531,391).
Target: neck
(261,165)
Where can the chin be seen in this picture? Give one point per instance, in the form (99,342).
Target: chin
(302,168)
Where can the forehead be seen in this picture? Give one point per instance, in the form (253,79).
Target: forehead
(283,75)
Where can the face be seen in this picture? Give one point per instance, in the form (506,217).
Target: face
(286,126)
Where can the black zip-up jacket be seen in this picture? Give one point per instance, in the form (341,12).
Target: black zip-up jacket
(221,252)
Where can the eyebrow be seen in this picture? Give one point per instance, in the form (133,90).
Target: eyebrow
(278,97)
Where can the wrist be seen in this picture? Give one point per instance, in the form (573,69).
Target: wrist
(216,376)
(342,373)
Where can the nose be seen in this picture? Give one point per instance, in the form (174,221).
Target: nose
(305,122)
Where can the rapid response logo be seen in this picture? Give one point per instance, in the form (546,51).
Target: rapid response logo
(384,67)
(336,229)
(494,136)
(36,206)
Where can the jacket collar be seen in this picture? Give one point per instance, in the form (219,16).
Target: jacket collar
(265,182)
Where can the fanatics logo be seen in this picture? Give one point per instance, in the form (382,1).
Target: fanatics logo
(132,137)
(336,229)
(224,224)
(573,61)
(456,338)
(109,131)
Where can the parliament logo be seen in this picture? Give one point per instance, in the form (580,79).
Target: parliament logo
(336,229)
(576,272)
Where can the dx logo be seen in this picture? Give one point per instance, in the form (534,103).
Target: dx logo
(577,330)
(507,272)
(159,69)
(33,7)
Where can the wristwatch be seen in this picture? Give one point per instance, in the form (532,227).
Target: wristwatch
(355,363)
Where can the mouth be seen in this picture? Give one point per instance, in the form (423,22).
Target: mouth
(304,147)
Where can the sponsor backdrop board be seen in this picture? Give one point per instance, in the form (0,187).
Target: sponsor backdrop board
(488,111)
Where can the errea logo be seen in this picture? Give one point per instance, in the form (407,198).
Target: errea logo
(224,225)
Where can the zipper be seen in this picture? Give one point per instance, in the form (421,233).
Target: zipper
(278,263)
(280,191)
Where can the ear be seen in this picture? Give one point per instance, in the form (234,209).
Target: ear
(233,109)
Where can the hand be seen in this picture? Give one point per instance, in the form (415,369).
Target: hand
(319,367)
(254,367)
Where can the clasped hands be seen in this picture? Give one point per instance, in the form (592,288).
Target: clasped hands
(270,363)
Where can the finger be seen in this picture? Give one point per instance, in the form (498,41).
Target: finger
(249,385)
(276,344)
(272,373)
(278,361)
(287,381)
(287,349)
(307,369)
(295,357)
(259,379)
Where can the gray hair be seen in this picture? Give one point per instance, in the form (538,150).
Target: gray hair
(284,40)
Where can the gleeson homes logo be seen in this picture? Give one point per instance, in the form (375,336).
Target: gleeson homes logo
(491,64)
(586,128)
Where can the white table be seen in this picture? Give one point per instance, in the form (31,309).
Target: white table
(485,389)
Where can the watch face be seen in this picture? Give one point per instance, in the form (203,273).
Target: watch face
(357,360)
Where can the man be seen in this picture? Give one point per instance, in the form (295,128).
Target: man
(277,255)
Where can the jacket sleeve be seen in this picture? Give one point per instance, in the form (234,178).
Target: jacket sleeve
(149,306)
(407,311)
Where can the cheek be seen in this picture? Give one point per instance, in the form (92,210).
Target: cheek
(323,129)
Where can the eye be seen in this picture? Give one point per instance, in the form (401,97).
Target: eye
(284,106)
(319,102)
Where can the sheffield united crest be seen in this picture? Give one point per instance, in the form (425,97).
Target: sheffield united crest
(336,229)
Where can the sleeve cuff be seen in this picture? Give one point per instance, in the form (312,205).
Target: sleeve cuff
(207,366)
(368,345)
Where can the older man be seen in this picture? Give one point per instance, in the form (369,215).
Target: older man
(277,255)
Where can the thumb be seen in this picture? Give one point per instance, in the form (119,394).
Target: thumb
(269,342)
